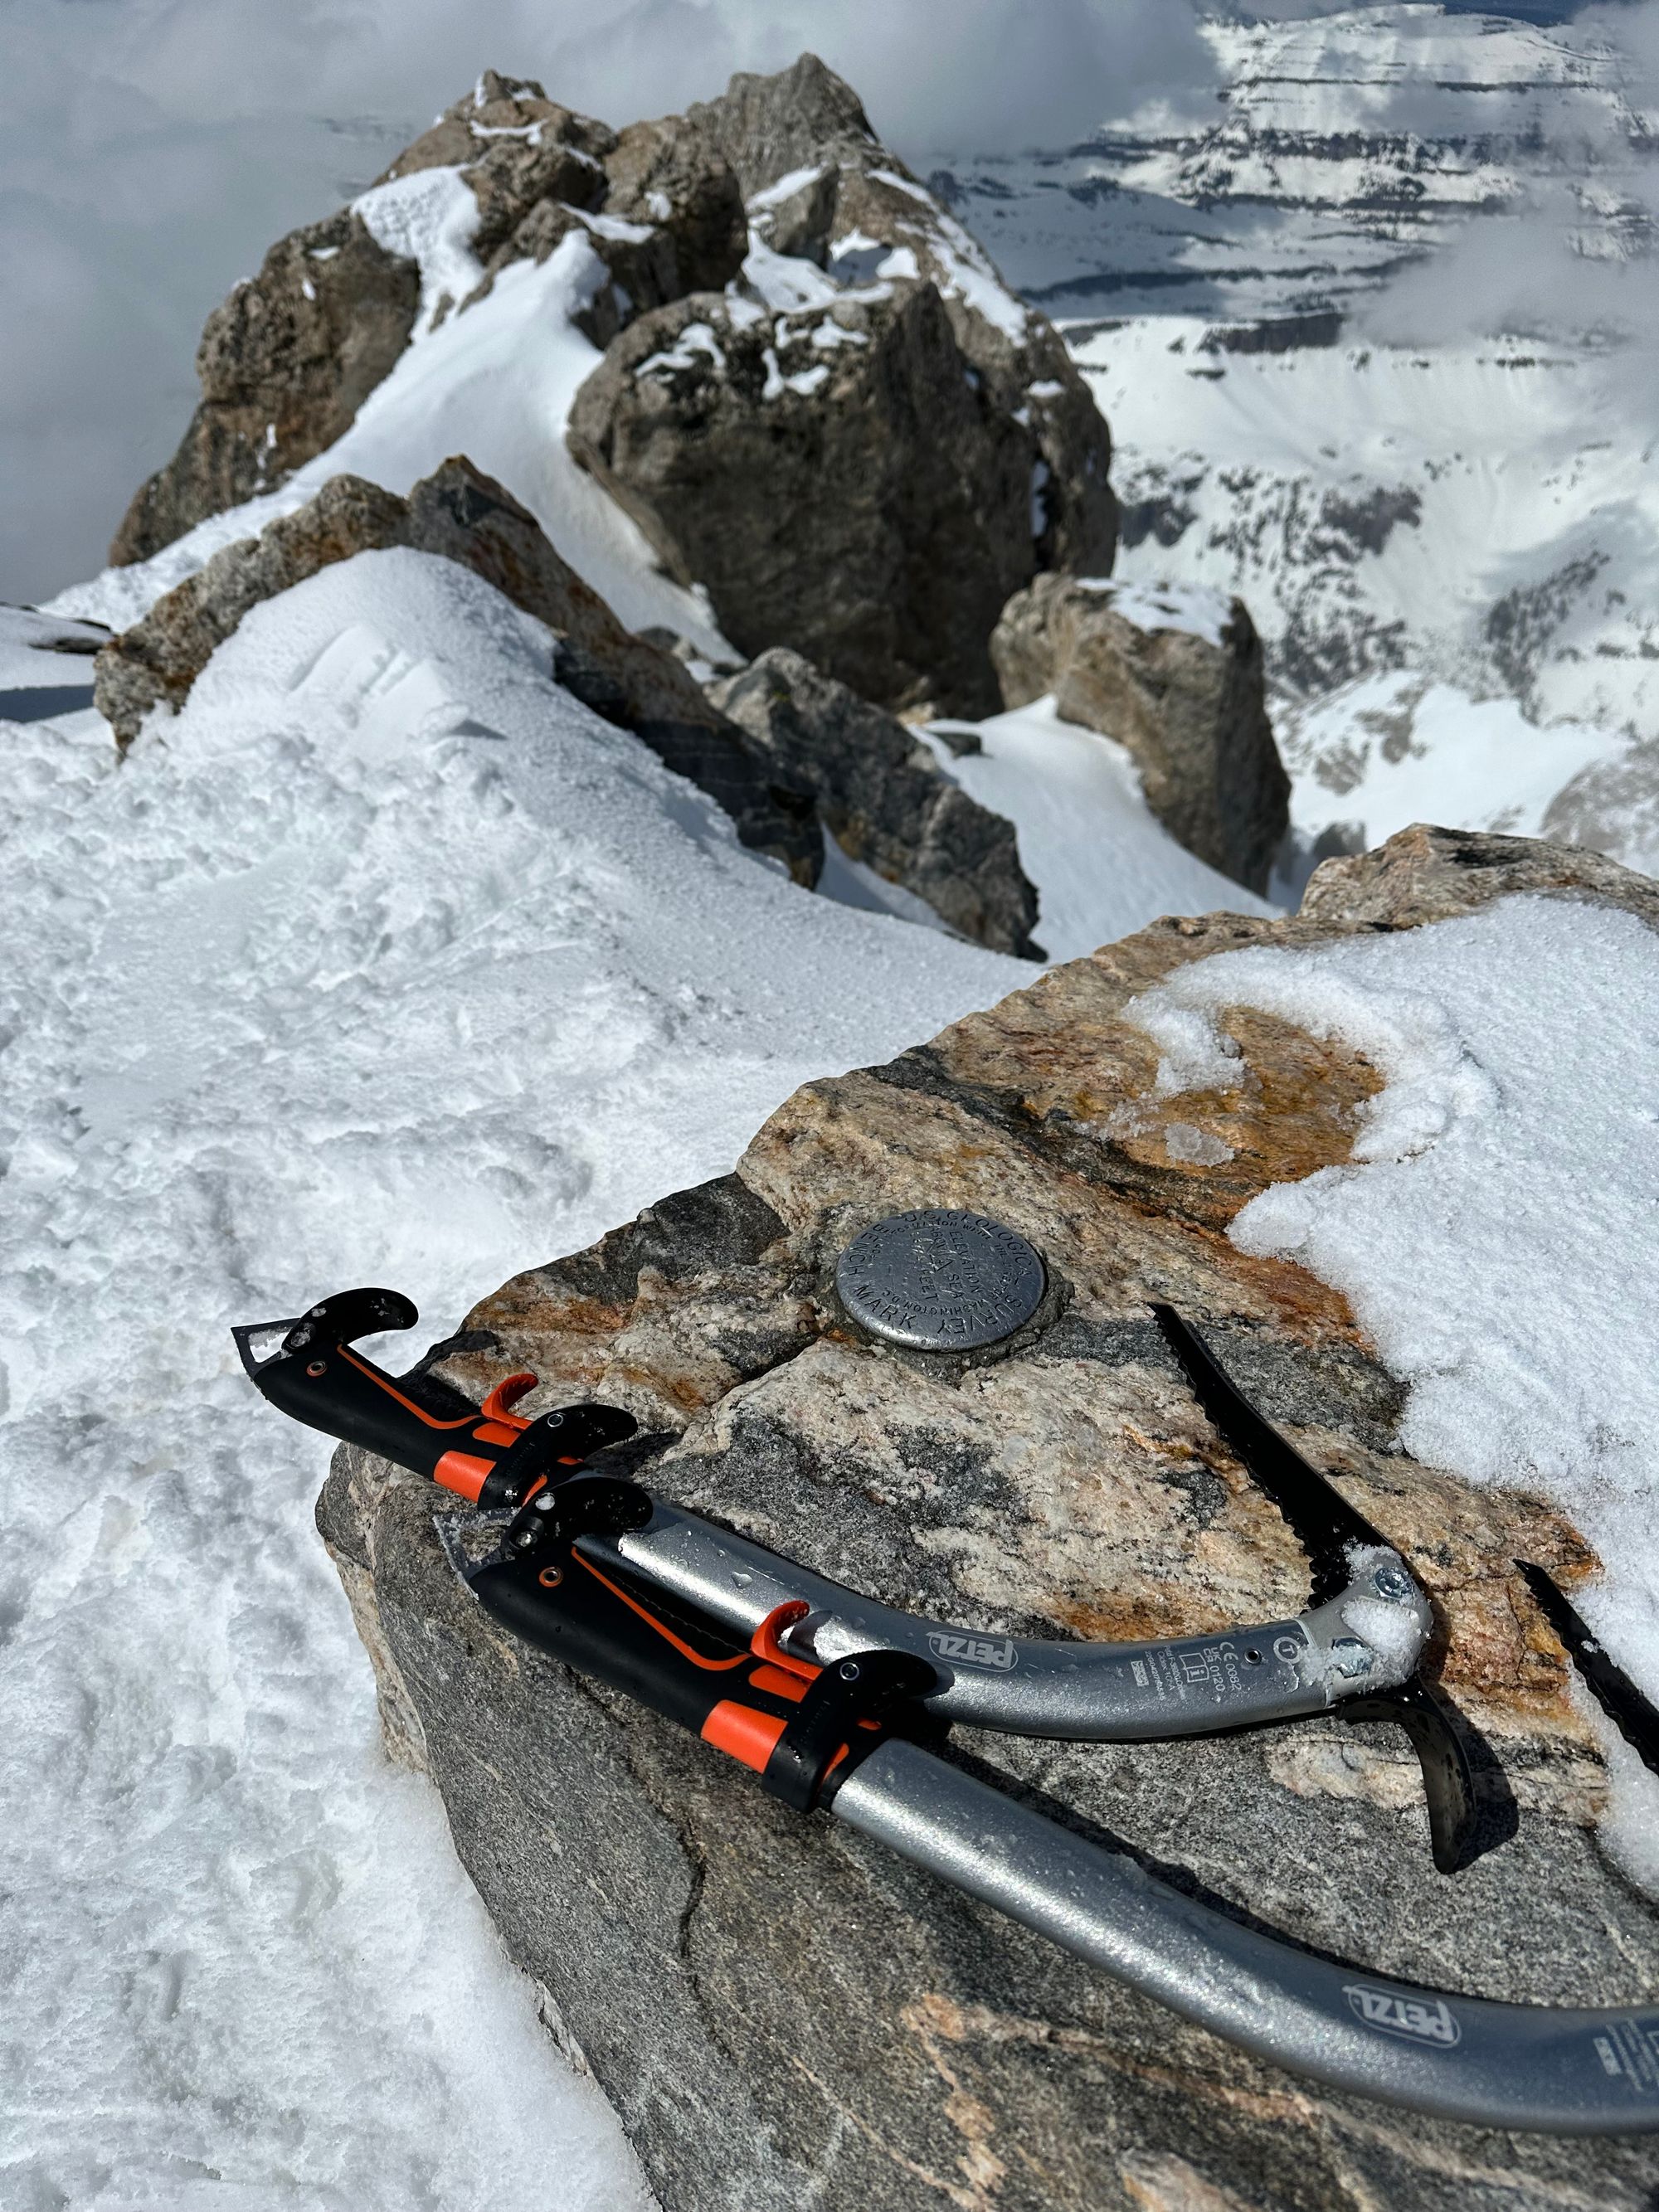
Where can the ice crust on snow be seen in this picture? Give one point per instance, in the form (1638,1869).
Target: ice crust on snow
(390,964)
(1498,1232)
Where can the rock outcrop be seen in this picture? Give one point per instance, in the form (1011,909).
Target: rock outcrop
(1179,679)
(862,450)
(818,396)
(821,187)
(883,795)
(834,479)
(284,365)
(290,357)
(463,515)
(782,2013)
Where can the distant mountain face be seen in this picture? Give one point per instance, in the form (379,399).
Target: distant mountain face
(1340,148)
(1416,526)
(1522,11)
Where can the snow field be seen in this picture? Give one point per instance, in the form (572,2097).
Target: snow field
(1391,750)
(1103,866)
(1477,524)
(385,962)
(1497,1232)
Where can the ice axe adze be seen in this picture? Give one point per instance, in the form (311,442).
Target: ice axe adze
(835,1733)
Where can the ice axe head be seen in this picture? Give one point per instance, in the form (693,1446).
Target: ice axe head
(487,1453)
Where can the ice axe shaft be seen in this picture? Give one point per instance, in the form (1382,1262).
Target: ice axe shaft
(1555,2072)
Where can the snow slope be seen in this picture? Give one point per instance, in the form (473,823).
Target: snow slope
(385,962)
(1103,865)
(1497,1232)
(494,383)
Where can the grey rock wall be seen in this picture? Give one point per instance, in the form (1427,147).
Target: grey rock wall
(1193,711)
(882,795)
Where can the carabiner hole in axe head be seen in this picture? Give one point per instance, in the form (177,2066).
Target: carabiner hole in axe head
(259,1342)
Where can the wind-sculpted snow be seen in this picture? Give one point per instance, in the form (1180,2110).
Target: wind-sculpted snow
(1497,1232)
(385,961)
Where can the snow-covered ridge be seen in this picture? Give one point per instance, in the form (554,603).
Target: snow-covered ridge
(494,383)
(388,962)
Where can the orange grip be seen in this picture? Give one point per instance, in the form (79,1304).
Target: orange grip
(464,1475)
(748,1736)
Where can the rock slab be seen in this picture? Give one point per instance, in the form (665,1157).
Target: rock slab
(782,2013)
(1191,709)
(883,795)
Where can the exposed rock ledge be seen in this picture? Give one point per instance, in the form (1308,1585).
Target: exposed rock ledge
(784,2016)
(463,515)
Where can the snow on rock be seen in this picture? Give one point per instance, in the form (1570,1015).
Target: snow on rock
(1103,865)
(820,495)
(1498,1232)
(1072,1481)
(496,384)
(392,963)
(1191,608)
(430,217)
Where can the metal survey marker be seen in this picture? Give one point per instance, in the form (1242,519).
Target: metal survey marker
(941,1281)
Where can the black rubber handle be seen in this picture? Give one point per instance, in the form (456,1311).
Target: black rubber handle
(487,1454)
(801,1727)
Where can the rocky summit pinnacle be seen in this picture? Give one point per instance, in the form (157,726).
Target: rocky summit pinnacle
(781,2012)
(810,387)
